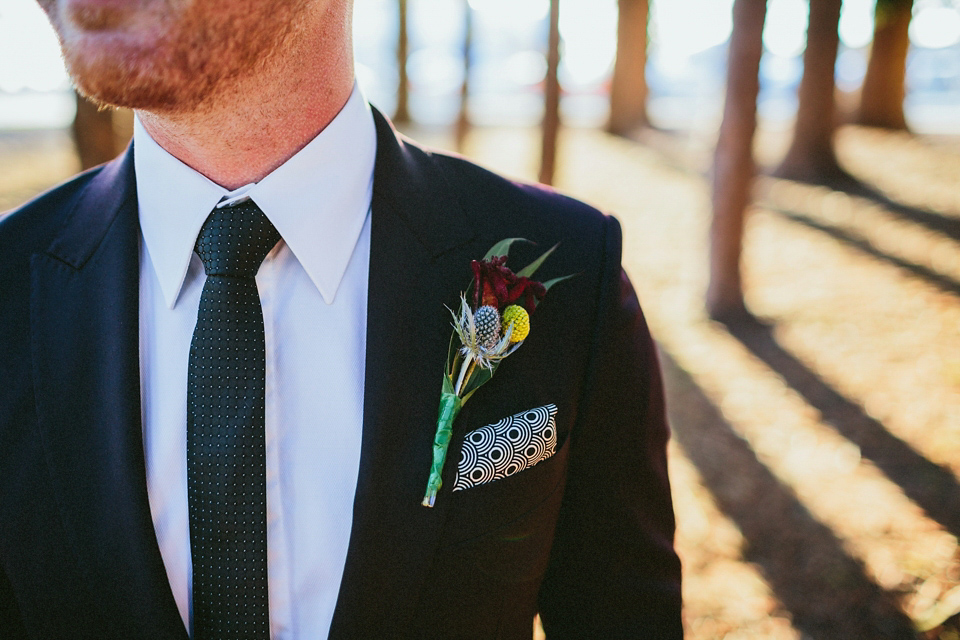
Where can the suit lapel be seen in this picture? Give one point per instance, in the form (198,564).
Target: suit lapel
(420,256)
(85,342)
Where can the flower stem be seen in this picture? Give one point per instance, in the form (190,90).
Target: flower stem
(449,408)
(465,368)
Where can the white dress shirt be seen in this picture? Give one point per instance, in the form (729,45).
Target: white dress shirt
(313,289)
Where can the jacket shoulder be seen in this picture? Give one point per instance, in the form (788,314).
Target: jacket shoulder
(24,232)
(589,241)
(30,228)
(496,197)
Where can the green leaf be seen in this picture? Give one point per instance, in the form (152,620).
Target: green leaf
(550,283)
(477,380)
(447,385)
(530,269)
(479,377)
(502,248)
(453,350)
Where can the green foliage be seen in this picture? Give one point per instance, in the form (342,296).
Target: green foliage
(530,269)
(502,248)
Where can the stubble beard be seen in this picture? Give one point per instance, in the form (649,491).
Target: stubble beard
(196,52)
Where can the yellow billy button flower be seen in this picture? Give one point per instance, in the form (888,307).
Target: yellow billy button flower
(518,317)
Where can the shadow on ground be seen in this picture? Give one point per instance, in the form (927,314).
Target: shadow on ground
(931,486)
(933,220)
(826,591)
(942,282)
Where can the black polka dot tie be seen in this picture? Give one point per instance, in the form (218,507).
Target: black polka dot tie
(226,451)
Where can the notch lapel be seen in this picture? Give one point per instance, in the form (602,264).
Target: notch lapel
(420,254)
(85,346)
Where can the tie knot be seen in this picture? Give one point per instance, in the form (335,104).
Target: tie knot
(235,240)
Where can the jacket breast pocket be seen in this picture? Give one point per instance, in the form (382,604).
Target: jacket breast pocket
(483,574)
(510,508)
(504,532)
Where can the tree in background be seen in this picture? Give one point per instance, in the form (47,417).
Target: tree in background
(463,117)
(402,113)
(733,164)
(551,106)
(628,88)
(99,134)
(881,100)
(811,157)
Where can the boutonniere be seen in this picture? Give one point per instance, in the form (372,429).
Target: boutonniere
(491,324)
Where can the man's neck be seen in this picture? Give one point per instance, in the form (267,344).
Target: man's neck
(253,127)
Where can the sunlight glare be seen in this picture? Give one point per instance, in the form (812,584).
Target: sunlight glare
(856,23)
(527,68)
(373,20)
(30,50)
(675,36)
(435,70)
(589,32)
(513,11)
(935,27)
(367,78)
(785,30)
(435,23)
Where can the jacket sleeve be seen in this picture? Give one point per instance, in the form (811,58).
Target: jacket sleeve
(613,572)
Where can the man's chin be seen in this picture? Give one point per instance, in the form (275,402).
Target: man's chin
(110,92)
(118,78)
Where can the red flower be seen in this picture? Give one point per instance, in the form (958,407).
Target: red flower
(496,285)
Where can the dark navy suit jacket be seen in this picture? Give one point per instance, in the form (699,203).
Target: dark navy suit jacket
(585,537)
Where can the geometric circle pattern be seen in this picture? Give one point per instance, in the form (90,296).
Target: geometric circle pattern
(507,447)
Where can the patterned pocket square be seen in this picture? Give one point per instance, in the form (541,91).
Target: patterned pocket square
(507,447)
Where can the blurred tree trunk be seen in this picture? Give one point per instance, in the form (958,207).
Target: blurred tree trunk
(100,134)
(551,108)
(122,129)
(628,89)
(733,164)
(881,100)
(463,118)
(93,133)
(402,113)
(811,157)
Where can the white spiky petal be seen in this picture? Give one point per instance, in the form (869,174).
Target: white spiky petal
(466,330)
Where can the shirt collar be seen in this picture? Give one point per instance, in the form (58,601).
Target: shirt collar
(318,200)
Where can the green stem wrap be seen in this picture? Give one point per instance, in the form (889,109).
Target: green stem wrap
(450,405)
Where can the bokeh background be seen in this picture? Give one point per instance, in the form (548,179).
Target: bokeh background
(787,173)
